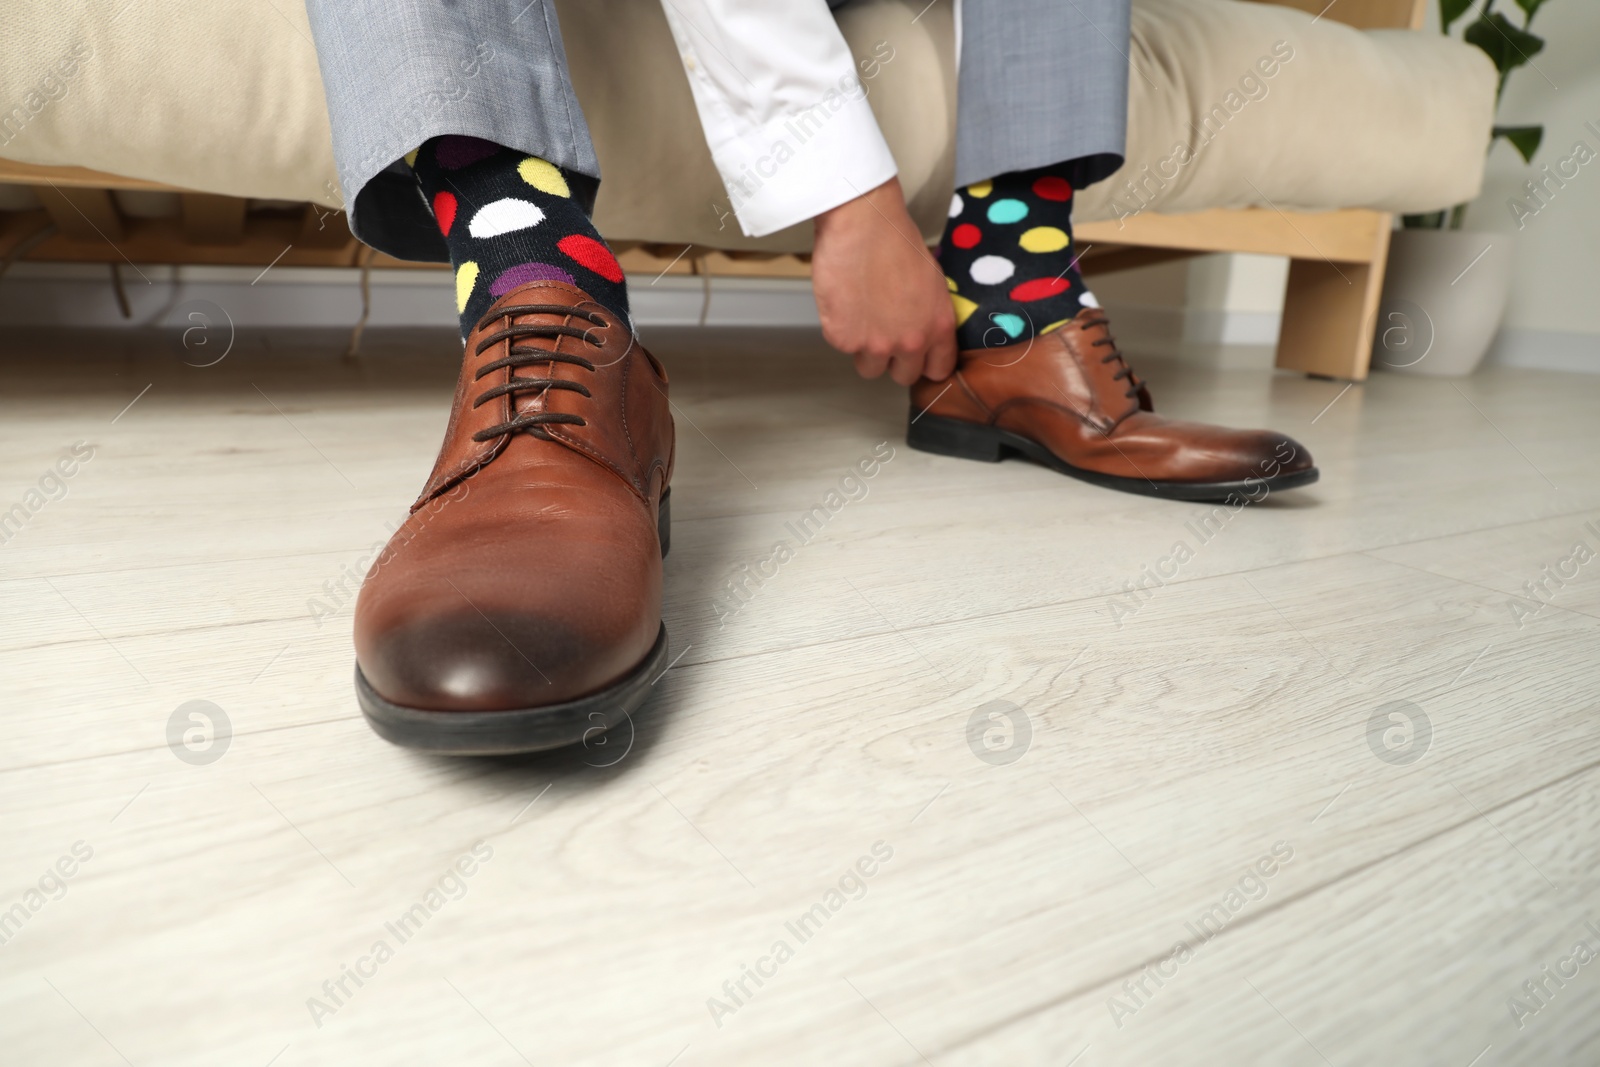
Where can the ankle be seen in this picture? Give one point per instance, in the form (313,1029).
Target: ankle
(509,218)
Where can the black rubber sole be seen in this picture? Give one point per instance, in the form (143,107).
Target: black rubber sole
(504,733)
(520,730)
(969,440)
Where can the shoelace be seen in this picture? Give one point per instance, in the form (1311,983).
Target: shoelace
(522,357)
(1126,372)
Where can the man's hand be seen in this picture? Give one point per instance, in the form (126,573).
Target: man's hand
(882,297)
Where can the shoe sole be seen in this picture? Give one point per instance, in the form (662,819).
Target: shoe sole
(969,440)
(520,730)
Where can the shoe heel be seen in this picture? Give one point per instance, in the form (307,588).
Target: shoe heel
(664,523)
(953,437)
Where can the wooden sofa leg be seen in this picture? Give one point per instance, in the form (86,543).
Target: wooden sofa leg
(1329,313)
(82,214)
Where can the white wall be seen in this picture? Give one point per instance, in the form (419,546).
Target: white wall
(1554,312)
(1554,315)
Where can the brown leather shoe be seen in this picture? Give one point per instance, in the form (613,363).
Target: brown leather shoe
(1068,400)
(519,606)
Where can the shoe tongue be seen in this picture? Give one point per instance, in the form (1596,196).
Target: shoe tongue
(1101,363)
(1092,321)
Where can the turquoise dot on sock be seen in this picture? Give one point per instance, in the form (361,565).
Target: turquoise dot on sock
(1004,211)
(1011,324)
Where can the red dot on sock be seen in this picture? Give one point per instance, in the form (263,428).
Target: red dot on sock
(592,254)
(1040,288)
(1052,188)
(444,211)
(966,236)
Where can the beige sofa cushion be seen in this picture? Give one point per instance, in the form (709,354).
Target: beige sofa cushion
(219,97)
(227,98)
(1393,120)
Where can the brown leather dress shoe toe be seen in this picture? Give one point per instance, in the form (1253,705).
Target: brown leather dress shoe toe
(519,606)
(1068,400)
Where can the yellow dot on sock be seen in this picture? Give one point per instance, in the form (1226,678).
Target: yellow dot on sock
(411,157)
(545,177)
(1054,326)
(1044,239)
(981,189)
(951,282)
(964,308)
(466,278)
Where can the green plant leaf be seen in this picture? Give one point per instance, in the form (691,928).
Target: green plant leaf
(1450,10)
(1508,46)
(1529,8)
(1525,139)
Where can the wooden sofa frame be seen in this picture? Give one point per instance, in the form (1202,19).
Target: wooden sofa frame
(1329,313)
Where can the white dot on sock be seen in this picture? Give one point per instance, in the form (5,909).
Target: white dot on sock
(992,270)
(1088,300)
(505,216)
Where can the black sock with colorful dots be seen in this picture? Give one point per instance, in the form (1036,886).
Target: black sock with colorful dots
(1009,258)
(510,218)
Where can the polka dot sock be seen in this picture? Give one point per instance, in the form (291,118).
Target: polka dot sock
(509,218)
(1009,258)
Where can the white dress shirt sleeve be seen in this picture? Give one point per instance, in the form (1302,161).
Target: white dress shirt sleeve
(784,110)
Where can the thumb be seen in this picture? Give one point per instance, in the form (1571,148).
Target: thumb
(941,357)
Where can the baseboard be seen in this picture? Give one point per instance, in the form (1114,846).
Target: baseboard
(1220,326)
(81,294)
(1217,338)
(73,294)
(1152,328)
(1546,350)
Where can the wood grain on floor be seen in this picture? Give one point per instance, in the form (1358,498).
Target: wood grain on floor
(941,790)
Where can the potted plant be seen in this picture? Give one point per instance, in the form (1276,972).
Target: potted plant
(1445,288)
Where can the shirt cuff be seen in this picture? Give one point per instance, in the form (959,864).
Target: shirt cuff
(797,166)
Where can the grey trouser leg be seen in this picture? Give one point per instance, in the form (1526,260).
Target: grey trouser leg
(397,72)
(1042,82)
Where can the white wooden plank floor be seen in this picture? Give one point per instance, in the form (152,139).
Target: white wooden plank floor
(1165,749)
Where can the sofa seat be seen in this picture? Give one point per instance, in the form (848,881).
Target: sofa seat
(1232,104)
